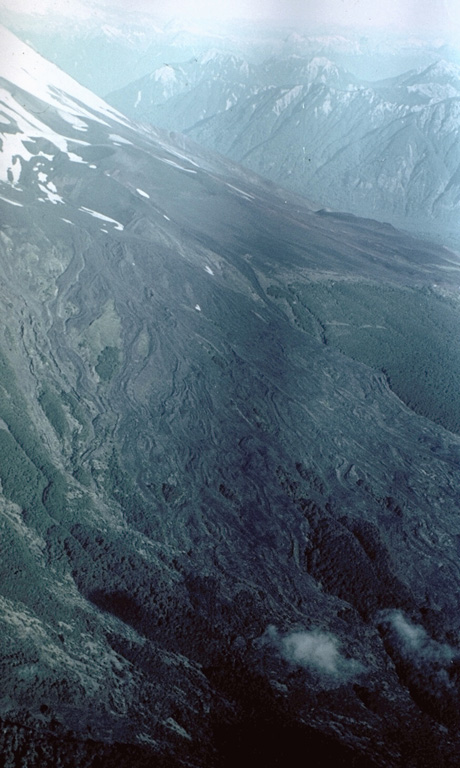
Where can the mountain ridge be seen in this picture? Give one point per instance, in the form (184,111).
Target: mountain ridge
(388,153)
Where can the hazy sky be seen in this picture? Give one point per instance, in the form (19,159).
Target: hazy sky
(407,15)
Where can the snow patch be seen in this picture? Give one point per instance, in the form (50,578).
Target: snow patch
(74,121)
(165,75)
(209,270)
(327,106)
(143,194)
(184,157)
(323,69)
(246,195)
(120,139)
(138,99)
(48,188)
(50,194)
(197,307)
(98,215)
(288,96)
(15,170)
(11,202)
(176,165)
(75,158)
(13,152)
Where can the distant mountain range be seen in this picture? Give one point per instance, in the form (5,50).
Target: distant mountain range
(389,150)
(229,453)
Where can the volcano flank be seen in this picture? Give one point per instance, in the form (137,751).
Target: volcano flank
(229,458)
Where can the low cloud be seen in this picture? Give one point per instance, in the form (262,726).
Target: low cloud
(430,668)
(414,640)
(315,650)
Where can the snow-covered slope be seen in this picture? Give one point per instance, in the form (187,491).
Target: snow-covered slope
(29,71)
(27,120)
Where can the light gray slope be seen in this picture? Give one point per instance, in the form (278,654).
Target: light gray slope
(389,150)
(177,96)
(201,459)
(392,153)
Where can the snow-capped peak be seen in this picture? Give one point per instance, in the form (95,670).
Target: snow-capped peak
(222,58)
(25,68)
(165,74)
(212,55)
(322,69)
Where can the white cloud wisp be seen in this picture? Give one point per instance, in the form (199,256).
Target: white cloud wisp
(316,650)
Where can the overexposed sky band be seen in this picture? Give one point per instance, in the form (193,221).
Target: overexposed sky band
(399,15)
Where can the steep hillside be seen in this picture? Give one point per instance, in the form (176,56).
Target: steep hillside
(176,96)
(226,533)
(388,150)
